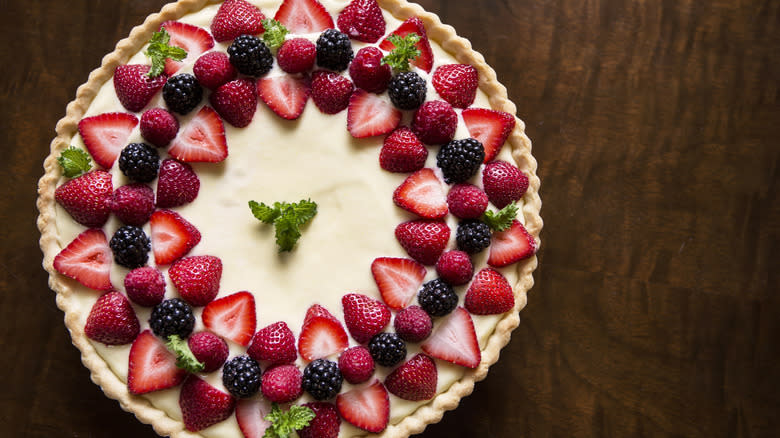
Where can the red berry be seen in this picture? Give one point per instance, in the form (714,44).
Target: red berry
(274,344)
(366,407)
(435,122)
(326,422)
(456,83)
(511,245)
(234,18)
(105,135)
(177,184)
(145,286)
(172,236)
(133,204)
(134,87)
(86,198)
(356,364)
(402,152)
(202,405)
(489,294)
(330,91)
(467,201)
(368,72)
(282,384)
(87,259)
(304,16)
(151,367)
(414,380)
(455,340)
(422,193)
(489,127)
(201,140)
(297,55)
(197,278)
(503,183)
(369,115)
(413,24)
(159,127)
(398,279)
(209,349)
(424,240)
(362,20)
(214,69)
(413,324)
(112,320)
(321,335)
(193,39)
(364,316)
(455,267)
(286,95)
(236,101)
(233,317)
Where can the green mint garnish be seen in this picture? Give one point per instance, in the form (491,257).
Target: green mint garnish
(502,219)
(159,50)
(74,162)
(184,357)
(274,33)
(286,218)
(405,51)
(283,423)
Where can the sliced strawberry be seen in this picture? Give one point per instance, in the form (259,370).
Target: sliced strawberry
(232,317)
(202,139)
(112,320)
(398,280)
(105,135)
(364,316)
(286,95)
(490,127)
(234,18)
(87,259)
(422,193)
(413,24)
(366,407)
(511,245)
(87,198)
(203,405)
(151,367)
(369,114)
(362,20)
(172,236)
(304,16)
(250,414)
(321,335)
(193,39)
(454,340)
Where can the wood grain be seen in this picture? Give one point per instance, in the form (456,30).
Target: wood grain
(656,127)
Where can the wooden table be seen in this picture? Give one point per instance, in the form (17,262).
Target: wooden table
(657,130)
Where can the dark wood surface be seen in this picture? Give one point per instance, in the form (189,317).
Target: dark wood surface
(656,125)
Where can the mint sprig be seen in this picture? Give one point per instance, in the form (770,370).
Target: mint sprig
(74,162)
(274,34)
(502,219)
(283,423)
(287,219)
(405,50)
(159,49)
(184,357)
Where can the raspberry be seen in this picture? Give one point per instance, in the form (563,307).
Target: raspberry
(241,376)
(209,349)
(330,91)
(413,324)
(334,50)
(503,183)
(139,162)
(402,151)
(368,72)
(282,384)
(250,56)
(159,127)
(455,267)
(467,201)
(130,246)
(182,93)
(435,122)
(387,349)
(407,90)
(274,344)
(133,204)
(214,69)
(472,236)
(296,55)
(145,286)
(437,298)
(322,379)
(356,364)
(172,317)
(459,160)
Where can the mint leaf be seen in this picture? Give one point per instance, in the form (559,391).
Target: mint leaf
(283,423)
(159,49)
(74,162)
(405,50)
(184,357)
(263,212)
(502,219)
(287,232)
(304,211)
(286,218)
(274,33)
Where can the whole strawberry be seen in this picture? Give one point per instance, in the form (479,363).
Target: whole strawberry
(362,20)
(197,278)
(236,101)
(414,380)
(159,127)
(203,405)
(296,55)
(145,286)
(234,18)
(86,198)
(177,184)
(133,204)
(112,320)
(503,183)
(435,122)
(356,364)
(326,422)
(489,294)
(134,87)
(282,384)
(402,152)
(368,72)
(330,91)
(456,83)
(364,316)
(214,69)
(424,240)
(209,349)
(274,344)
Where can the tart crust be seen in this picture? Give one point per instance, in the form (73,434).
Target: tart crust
(66,128)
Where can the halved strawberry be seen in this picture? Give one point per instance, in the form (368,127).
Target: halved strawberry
(454,340)
(172,236)
(234,18)
(203,405)
(105,135)
(193,39)
(490,127)
(232,317)
(87,259)
(511,245)
(250,414)
(362,20)
(413,24)
(286,95)
(369,114)
(202,139)
(151,367)
(398,280)
(321,335)
(422,193)
(366,407)
(304,16)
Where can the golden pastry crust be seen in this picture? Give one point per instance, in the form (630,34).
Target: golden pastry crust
(66,128)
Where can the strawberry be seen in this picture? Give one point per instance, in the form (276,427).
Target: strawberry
(415,380)
(422,193)
(197,278)
(177,184)
(145,286)
(467,201)
(105,135)
(202,140)
(202,405)
(402,152)
(321,335)
(364,316)
(304,16)
(456,83)
(369,115)
(134,87)
(132,204)
(86,198)
(159,127)
(297,55)
(413,24)
(511,245)
(423,239)
(112,320)
(362,20)
(214,69)
(236,101)
(489,294)
(274,344)
(368,72)
(87,259)
(193,39)
(356,364)
(455,267)
(435,122)
(172,236)
(234,18)
(454,340)
(366,407)
(326,422)
(503,183)
(209,349)
(413,324)
(490,127)
(232,317)
(282,383)
(151,367)
(398,280)
(250,414)
(330,91)
(286,95)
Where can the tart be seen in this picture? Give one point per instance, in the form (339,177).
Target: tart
(398,217)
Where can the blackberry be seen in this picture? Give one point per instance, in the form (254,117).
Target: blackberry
(472,236)
(182,93)
(459,160)
(437,297)
(172,317)
(387,349)
(322,379)
(130,246)
(139,162)
(334,50)
(250,56)
(241,376)
(407,90)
